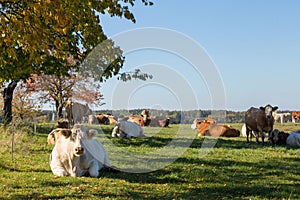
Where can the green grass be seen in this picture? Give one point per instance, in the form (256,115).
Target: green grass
(233,169)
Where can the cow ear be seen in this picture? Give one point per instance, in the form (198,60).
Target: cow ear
(275,108)
(262,108)
(51,138)
(66,132)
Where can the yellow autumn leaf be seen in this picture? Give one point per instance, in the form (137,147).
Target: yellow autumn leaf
(65,30)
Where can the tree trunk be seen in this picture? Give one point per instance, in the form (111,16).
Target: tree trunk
(59,109)
(8,97)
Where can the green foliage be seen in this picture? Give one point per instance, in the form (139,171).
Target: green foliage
(233,170)
(42,36)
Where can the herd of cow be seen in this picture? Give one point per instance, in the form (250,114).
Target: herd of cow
(258,123)
(80,113)
(76,152)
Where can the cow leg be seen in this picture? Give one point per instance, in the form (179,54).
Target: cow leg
(263,137)
(94,169)
(256,136)
(59,171)
(247,134)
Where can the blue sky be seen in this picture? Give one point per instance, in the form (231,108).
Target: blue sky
(254,46)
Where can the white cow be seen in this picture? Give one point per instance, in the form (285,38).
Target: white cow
(129,129)
(281,117)
(244,130)
(293,139)
(76,153)
(244,133)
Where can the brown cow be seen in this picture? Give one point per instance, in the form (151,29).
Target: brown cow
(102,119)
(295,115)
(143,120)
(259,120)
(197,121)
(205,128)
(164,122)
(111,119)
(159,122)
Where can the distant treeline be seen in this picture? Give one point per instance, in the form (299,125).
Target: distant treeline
(184,117)
(176,116)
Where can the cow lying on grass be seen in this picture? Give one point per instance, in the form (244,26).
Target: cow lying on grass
(278,137)
(159,122)
(76,153)
(281,138)
(128,129)
(143,120)
(210,128)
(294,139)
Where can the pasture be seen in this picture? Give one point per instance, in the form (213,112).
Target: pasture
(172,164)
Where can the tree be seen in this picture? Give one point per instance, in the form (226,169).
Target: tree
(25,104)
(38,37)
(61,88)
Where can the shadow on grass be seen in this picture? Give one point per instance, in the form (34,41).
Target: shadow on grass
(159,142)
(11,169)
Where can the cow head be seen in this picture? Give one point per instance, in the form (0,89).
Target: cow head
(145,115)
(202,127)
(268,110)
(195,122)
(274,137)
(79,133)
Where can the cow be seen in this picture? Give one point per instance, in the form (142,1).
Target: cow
(294,139)
(143,120)
(295,115)
(259,120)
(280,117)
(197,121)
(278,137)
(159,122)
(206,128)
(128,129)
(164,122)
(244,130)
(111,119)
(76,112)
(76,153)
(102,119)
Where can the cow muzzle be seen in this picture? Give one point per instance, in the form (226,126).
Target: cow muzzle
(79,150)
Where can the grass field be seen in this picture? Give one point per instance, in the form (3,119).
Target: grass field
(171,164)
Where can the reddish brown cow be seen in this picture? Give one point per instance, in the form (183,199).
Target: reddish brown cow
(206,128)
(197,121)
(102,119)
(143,120)
(260,121)
(295,115)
